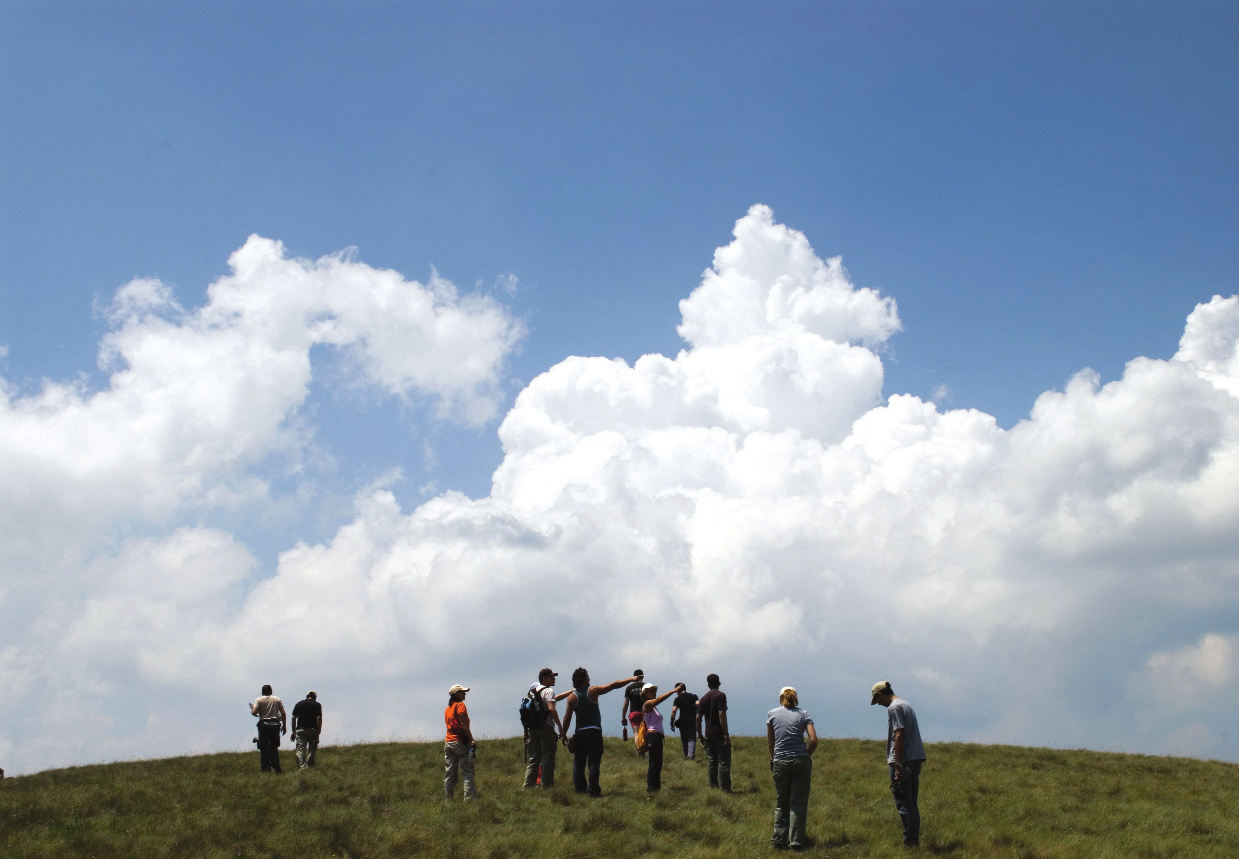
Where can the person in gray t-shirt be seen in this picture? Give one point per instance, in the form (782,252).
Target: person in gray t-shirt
(904,755)
(791,761)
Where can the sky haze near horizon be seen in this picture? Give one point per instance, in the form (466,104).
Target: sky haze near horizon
(812,344)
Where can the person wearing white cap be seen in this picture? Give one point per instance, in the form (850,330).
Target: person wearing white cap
(904,755)
(654,734)
(459,747)
(791,761)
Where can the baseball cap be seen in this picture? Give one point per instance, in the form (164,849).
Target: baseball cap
(457,688)
(881,686)
(546,671)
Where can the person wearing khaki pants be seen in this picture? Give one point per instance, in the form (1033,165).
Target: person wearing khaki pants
(541,743)
(307,727)
(459,746)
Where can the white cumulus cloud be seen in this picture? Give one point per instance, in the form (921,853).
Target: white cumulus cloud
(753,505)
(1189,673)
(105,573)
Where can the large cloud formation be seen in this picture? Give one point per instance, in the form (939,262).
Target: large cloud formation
(751,506)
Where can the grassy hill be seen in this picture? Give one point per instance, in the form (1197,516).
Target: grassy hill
(384,801)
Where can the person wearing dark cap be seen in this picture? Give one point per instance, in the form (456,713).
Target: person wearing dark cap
(631,707)
(541,742)
(459,747)
(307,726)
(904,756)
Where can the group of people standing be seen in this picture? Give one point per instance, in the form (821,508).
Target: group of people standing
(792,739)
(273,723)
(705,717)
(790,735)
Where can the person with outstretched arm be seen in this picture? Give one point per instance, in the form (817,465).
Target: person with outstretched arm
(630,705)
(542,741)
(654,735)
(586,745)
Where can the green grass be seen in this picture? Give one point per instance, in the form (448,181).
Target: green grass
(384,801)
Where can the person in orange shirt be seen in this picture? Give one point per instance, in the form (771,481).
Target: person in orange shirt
(459,747)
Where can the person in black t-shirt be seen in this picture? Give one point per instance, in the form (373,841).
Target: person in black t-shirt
(684,716)
(712,711)
(307,725)
(634,701)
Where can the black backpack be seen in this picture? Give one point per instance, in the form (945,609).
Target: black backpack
(533,709)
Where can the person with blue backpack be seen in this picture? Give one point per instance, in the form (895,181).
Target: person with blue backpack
(541,724)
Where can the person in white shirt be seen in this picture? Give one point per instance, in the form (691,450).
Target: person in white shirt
(542,742)
(272,722)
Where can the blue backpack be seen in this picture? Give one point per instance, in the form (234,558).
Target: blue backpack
(533,709)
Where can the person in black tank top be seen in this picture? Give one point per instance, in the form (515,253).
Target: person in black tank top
(587,741)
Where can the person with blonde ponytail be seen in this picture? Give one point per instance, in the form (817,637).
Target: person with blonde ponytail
(791,761)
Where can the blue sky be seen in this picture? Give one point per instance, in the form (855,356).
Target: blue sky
(1042,188)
